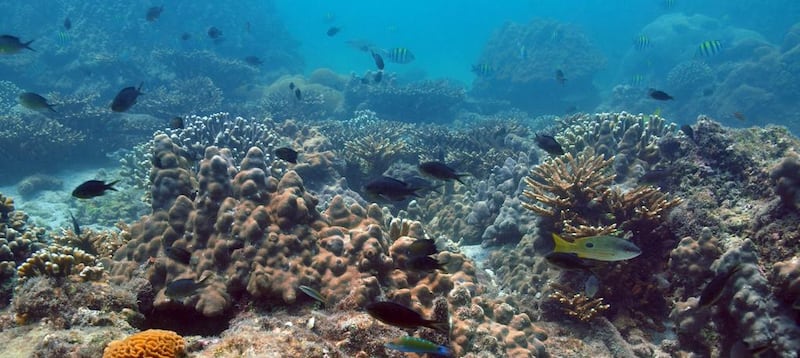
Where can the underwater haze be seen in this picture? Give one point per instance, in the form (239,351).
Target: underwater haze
(319,178)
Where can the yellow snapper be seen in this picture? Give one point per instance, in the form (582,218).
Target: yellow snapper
(601,248)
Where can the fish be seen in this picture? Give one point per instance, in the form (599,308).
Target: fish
(313,294)
(641,42)
(637,79)
(178,254)
(409,344)
(287,154)
(298,94)
(92,188)
(362,45)
(668,4)
(522,52)
(423,263)
(247,27)
(483,69)
(76,227)
(548,144)
(186,36)
(591,286)
(400,55)
(440,171)
(560,77)
(333,30)
(214,32)
(378,60)
(34,101)
(687,129)
(153,13)
(739,115)
(126,98)
(397,315)
(63,37)
(391,188)
(714,289)
(185,287)
(659,95)
(176,122)
(253,61)
(601,248)
(378,77)
(12,44)
(709,48)
(329,17)
(566,261)
(655,176)
(422,247)
(67,23)
(291,85)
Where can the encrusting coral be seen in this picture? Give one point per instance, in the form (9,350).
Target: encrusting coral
(152,343)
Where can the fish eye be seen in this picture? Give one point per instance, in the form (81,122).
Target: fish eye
(589,245)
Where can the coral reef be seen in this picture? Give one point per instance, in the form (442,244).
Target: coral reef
(637,142)
(60,261)
(18,240)
(32,185)
(156,343)
(430,101)
(786,177)
(523,58)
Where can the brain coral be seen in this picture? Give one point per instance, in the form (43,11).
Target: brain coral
(153,343)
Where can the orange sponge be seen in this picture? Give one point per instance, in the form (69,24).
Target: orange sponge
(152,343)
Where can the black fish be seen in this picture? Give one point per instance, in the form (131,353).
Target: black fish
(76,227)
(185,36)
(253,61)
(378,77)
(67,24)
(298,94)
(390,188)
(548,144)
(11,44)
(567,261)
(560,77)
(154,13)
(714,289)
(422,247)
(687,129)
(439,171)
(423,263)
(655,176)
(659,95)
(178,254)
(287,154)
(214,33)
(401,316)
(333,30)
(92,188)
(34,101)
(185,287)
(176,122)
(126,98)
(378,60)
(291,85)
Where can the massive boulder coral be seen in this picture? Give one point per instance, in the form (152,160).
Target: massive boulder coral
(255,239)
(522,58)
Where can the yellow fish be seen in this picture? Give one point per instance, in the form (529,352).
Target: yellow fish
(601,248)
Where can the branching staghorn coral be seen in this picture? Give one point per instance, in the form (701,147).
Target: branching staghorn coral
(575,193)
(579,305)
(568,188)
(374,155)
(102,244)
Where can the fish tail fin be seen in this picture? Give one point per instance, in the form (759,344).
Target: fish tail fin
(110,186)
(441,326)
(561,245)
(140,88)
(27,45)
(461,175)
(50,107)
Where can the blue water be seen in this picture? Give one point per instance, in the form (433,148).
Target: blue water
(111,46)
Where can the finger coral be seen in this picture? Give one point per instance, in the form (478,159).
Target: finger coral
(61,261)
(155,343)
